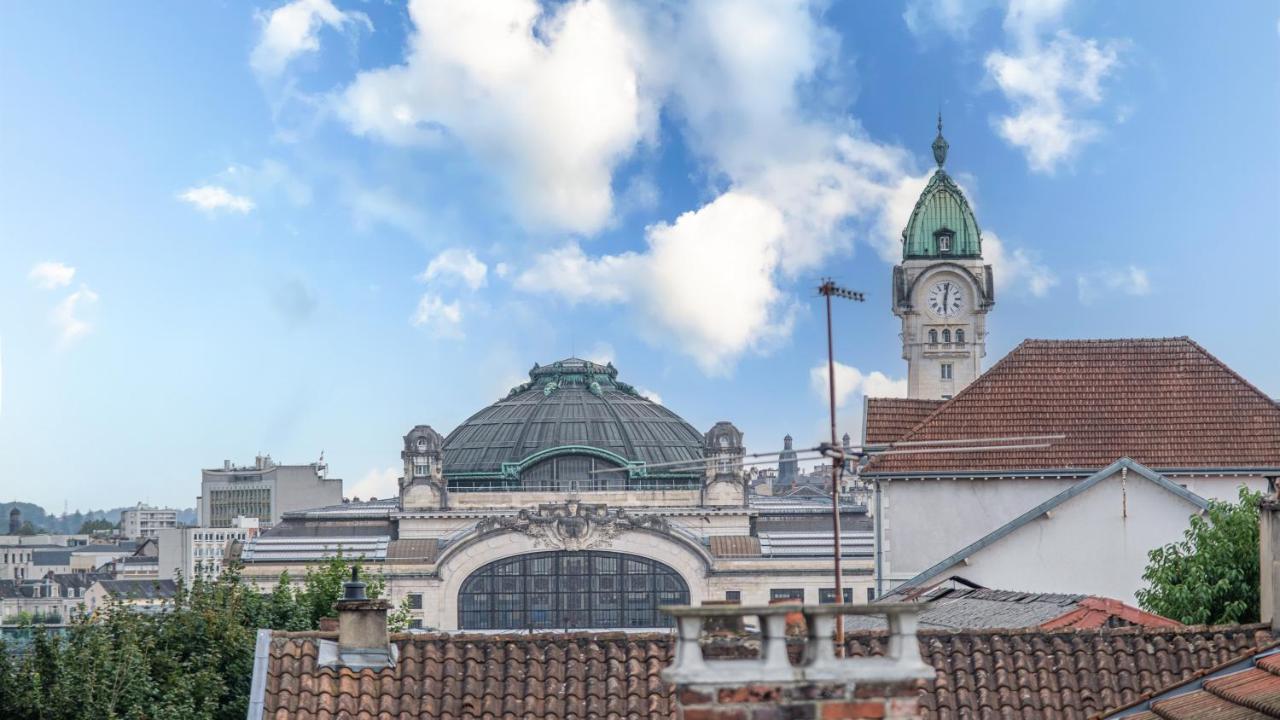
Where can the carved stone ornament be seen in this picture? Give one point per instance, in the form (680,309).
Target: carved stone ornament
(572,525)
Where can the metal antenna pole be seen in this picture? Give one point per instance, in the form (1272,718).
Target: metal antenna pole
(827,289)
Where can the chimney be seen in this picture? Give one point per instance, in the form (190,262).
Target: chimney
(363,641)
(822,685)
(1269,560)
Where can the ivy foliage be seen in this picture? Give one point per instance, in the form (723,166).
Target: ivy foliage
(191,661)
(1211,575)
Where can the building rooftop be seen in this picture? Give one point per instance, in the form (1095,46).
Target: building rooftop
(957,607)
(991,673)
(147,589)
(572,402)
(1246,688)
(1166,402)
(887,419)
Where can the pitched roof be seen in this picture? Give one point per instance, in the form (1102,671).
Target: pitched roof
(466,675)
(974,608)
(735,546)
(147,589)
(1246,688)
(1039,511)
(887,419)
(992,673)
(424,550)
(1167,403)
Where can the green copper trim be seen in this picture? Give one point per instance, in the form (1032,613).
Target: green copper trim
(635,468)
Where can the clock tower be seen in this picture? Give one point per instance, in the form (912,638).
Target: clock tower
(942,290)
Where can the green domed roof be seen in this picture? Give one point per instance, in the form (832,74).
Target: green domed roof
(570,407)
(942,224)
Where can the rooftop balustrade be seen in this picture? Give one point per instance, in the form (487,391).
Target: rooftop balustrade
(818,663)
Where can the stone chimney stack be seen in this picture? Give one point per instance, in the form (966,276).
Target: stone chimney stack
(822,686)
(1269,560)
(363,641)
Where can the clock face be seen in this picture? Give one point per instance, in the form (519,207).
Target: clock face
(945,299)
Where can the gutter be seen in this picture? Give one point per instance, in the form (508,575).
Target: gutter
(1059,473)
(258,684)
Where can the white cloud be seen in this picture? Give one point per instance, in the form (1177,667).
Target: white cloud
(1052,79)
(501,269)
(212,198)
(712,316)
(551,100)
(850,382)
(51,275)
(381,484)
(443,319)
(650,395)
(293,30)
(1017,268)
(1131,280)
(67,315)
(953,17)
(601,352)
(459,263)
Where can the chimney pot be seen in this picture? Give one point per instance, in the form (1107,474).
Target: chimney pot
(363,640)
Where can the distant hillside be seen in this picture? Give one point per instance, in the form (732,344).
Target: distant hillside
(58,525)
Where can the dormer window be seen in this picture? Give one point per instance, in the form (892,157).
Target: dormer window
(944,238)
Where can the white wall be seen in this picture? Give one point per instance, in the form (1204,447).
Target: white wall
(924,521)
(1095,543)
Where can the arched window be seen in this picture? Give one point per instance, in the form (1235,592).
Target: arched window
(933,337)
(570,589)
(960,336)
(946,336)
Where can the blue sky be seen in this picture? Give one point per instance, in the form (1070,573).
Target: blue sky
(228,229)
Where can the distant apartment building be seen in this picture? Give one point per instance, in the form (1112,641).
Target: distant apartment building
(265,491)
(144,521)
(188,552)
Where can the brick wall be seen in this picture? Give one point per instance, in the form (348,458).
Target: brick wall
(886,701)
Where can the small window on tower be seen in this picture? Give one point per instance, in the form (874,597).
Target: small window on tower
(946,371)
(946,336)
(960,336)
(944,243)
(933,337)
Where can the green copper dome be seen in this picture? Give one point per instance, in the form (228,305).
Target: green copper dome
(942,224)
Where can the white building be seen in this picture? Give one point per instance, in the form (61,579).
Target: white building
(145,521)
(265,491)
(188,552)
(575,502)
(1149,431)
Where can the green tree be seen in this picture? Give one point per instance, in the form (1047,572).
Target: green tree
(1211,575)
(92,526)
(191,662)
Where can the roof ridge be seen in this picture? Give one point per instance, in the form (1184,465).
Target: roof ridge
(963,392)
(1267,399)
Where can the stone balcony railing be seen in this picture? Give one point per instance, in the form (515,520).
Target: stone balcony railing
(818,662)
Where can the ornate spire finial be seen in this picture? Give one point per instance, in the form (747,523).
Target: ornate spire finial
(940,145)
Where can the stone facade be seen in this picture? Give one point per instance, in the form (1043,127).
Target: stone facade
(942,290)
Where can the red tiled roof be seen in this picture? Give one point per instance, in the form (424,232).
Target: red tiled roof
(890,418)
(994,673)
(1225,694)
(1098,612)
(1166,403)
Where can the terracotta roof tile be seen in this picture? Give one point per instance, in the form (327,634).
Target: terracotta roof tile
(1001,673)
(888,419)
(1166,403)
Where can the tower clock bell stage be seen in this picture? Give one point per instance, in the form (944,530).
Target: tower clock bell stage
(942,290)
